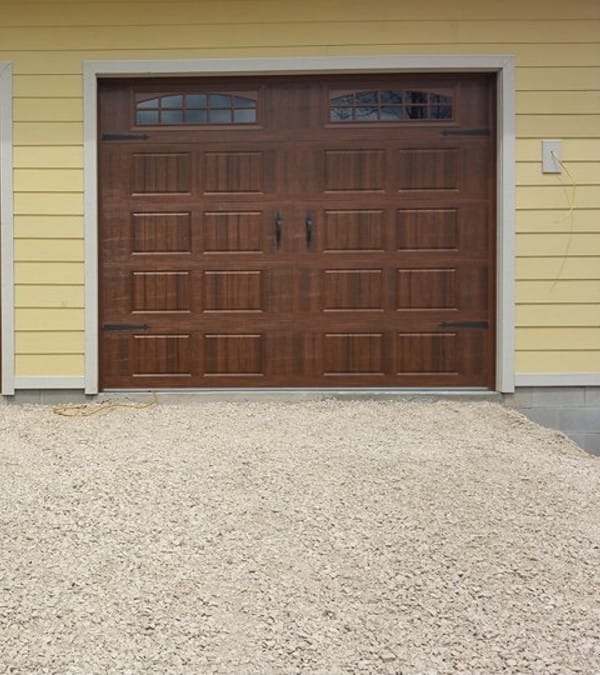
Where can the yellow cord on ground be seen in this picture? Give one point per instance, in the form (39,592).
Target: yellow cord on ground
(87,409)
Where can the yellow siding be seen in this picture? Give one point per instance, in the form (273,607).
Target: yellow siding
(557,51)
(49,319)
(48,273)
(559,339)
(569,291)
(549,361)
(51,157)
(573,315)
(544,220)
(55,364)
(574,244)
(48,227)
(49,296)
(69,250)
(48,180)
(35,342)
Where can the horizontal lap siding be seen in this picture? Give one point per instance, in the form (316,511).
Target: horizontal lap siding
(557,50)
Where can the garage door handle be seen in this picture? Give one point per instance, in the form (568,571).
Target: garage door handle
(278,230)
(309,229)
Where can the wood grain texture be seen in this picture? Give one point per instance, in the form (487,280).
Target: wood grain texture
(295,251)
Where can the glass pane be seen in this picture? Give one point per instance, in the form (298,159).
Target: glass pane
(366,97)
(171,101)
(219,116)
(195,116)
(195,100)
(441,112)
(415,97)
(341,114)
(391,113)
(242,116)
(366,114)
(343,100)
(171,117)
(150,103)
(391,96)
(219,100)
(416,112)
(147,117)
(243,102)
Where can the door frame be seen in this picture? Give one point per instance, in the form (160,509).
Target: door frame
(502,65)
(7,302)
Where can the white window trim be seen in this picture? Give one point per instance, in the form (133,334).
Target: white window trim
(6,235)
(503,65)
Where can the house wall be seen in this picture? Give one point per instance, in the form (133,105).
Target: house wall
(558,96)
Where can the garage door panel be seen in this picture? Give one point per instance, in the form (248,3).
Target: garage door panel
(164,292)
(233,231)
(162,355)
(346,230)
(353,289)
(427,229)
(233,172)
(233,291)
(354,170)
(426,354)
(426,289)
(227,355)
(428,169)
(161,173)
(153,233)
(353,354)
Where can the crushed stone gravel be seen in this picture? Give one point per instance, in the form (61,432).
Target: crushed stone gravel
(314,537)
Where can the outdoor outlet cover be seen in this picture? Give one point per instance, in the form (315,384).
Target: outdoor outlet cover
(551,156)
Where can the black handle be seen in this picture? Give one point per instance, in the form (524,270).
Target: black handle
(278,229)
(309,229)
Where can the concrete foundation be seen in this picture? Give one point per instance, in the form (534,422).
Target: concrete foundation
(573,410)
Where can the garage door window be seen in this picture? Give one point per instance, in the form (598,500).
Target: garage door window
(197,108)
(389,105)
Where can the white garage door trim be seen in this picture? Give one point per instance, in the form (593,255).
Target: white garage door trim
(6,220)
(505,190)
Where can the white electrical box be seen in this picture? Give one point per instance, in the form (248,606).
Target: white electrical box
(551,156)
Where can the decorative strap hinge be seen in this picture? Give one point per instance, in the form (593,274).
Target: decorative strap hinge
(125,326)
(125,137)
(465,324)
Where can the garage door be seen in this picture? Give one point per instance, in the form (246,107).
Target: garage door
(328,231)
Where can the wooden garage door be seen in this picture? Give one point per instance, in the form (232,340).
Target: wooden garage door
(331,232)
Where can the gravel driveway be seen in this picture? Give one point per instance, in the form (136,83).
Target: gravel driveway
(317,537)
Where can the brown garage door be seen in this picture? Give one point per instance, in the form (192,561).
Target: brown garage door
(333,231)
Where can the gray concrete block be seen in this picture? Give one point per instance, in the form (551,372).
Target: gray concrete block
(48,397)
(522,398)
(55,396)
(547,417)
(25,396)
(584,420)
(592,396)
(558,396)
